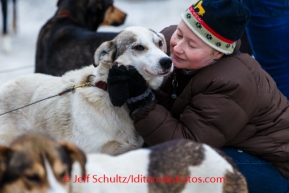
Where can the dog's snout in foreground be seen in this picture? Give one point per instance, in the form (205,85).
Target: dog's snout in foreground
(166,63)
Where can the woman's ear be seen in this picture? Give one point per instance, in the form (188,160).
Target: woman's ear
(217,55)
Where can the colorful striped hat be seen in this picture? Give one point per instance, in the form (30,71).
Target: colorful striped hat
(219,23)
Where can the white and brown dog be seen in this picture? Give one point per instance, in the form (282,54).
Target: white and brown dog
(38,164)
(85,117)
(181,166)
(35,163)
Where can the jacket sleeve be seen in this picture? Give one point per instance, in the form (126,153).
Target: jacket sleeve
(200,121)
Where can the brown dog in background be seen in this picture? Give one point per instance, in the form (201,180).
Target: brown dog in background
(37,163)
(69,39)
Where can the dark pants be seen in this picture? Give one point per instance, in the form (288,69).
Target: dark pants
(261,176)
(267,34)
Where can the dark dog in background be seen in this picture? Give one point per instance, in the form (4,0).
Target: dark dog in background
(69,39)
(6,45)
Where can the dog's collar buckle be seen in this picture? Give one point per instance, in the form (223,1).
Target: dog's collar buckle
(80,86)
(102,85)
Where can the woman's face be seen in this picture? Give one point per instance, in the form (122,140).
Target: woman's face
(188,51)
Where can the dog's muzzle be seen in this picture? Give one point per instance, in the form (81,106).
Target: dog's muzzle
(166,66)
(166,63)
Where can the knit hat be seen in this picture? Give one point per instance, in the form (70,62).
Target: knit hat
(219,23)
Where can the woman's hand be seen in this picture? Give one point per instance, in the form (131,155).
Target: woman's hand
(127,85)
(117,85)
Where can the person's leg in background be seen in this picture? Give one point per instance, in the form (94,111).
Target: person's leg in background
(261,176)
(267,33)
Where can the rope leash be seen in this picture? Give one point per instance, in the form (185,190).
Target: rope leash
(59,94)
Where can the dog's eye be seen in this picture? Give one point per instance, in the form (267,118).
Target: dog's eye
(160,43)
(138,48)
(62,175)
(33,178)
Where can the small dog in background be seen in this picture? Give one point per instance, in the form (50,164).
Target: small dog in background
(36,163)
(6,42)
(86,117)
(69,39)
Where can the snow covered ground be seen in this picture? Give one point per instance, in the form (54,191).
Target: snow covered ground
(32,14)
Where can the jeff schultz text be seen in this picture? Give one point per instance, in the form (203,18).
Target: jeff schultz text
(169,179)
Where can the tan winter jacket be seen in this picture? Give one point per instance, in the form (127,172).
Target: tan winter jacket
(232,103)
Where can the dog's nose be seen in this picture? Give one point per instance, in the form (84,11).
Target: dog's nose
(166,63)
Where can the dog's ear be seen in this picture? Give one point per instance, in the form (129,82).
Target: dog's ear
(95,5)
(164,47)
(5,155)
(105,53)
(168,32)
(76,154)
